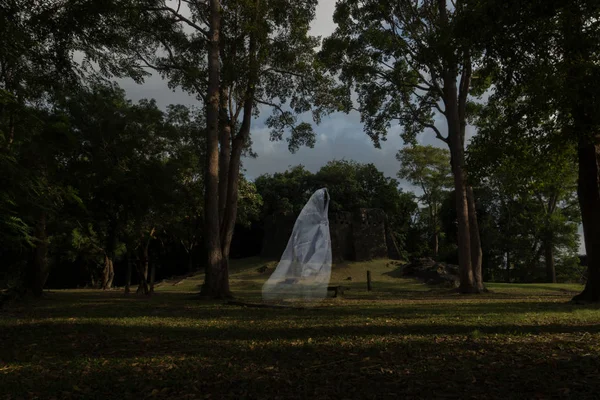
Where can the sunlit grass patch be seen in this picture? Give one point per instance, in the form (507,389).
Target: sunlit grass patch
(404,339)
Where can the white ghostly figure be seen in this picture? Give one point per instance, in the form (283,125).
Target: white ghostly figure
(305,267)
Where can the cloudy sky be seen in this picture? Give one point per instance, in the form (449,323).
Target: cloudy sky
(339,136)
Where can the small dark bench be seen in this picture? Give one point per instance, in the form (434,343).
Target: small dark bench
(337,290)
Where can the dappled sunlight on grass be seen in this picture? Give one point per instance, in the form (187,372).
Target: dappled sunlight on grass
(402,340)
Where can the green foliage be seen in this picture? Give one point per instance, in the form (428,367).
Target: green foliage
(249,203)
(557,44)
(395,56)
(14,232)
(285,192)
(351,186)
(279,66)
(529,185)
(428,168)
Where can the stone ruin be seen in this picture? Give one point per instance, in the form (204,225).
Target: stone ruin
(359,236)
(432,272)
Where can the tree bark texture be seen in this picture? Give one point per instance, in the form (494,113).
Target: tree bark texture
(225,153)
(580,95)
(213,284)
(108,272)
(239,141)
(457,155)
(588,190)
(476,253)
(455,100)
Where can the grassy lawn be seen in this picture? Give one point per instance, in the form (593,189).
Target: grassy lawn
(402,340)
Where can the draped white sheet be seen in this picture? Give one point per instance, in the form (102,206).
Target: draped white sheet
(305,267)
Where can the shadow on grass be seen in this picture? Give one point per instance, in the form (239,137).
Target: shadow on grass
(73,360)
(257,326)
(116,305)
(428,345)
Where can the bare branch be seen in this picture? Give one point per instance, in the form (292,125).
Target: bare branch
(424,123)
(412,52)
(283,72)
(268,103)
(278,108)
(166,67)
(431,103)
(181,18)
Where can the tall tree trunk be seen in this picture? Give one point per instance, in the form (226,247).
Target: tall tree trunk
(588,190)
(213,281)
(230,215)
(578,59)
(457,157)
(239,142)
(455,100)
(225,153)
(476,253)
(39,268)
(467,282)
(549,256)
(108,273)
(436,242)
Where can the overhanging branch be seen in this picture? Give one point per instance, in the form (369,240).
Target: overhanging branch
(181,18)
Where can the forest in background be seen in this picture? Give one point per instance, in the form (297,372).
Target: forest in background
(95,186)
